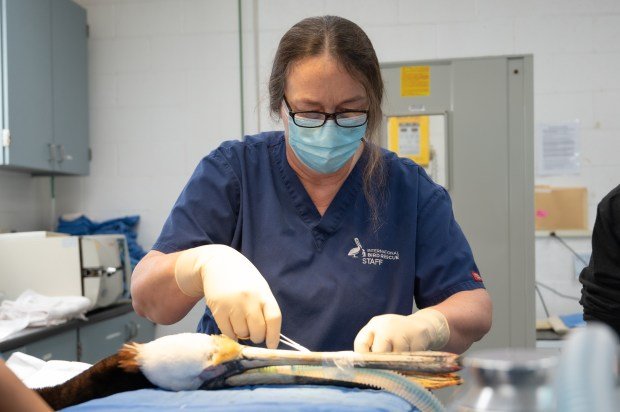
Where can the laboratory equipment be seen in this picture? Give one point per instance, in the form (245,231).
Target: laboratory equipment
(52,264)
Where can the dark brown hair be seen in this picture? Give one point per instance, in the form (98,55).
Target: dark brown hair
(348,44)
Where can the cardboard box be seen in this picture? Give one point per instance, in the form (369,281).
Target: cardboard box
(561,208)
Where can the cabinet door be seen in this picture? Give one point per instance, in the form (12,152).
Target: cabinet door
(144,329)
(70,87)
(6,355)
(58,347)
(26,72)
(102,339)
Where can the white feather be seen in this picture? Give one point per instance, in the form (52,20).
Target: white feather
(175,362)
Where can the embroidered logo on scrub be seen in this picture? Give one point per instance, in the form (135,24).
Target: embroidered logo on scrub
(371,256)
(476,276)
(357,249)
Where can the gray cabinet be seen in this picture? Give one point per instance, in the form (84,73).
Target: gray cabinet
(26,85)
(70,87)
(44,116)
(58,347)
(89,341)
(102,339)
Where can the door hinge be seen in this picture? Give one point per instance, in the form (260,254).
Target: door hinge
(90,154)
(87,31)
(6,138)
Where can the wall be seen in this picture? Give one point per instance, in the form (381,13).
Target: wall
(164,91)
(164,87)
(23,202)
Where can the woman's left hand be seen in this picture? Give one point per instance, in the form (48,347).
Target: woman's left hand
(427,329)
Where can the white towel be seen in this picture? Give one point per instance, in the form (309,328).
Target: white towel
(33,309)
(36,373)
(9,327)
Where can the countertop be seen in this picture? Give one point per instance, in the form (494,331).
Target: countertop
(29,335)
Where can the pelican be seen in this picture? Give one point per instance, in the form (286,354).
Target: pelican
(356,250)
(190,361)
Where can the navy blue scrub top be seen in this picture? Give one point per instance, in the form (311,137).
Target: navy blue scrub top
(329,274)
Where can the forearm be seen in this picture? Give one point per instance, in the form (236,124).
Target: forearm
(469,315)
(15,396)
(154,290)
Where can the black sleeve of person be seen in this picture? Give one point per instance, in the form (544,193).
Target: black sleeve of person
(600,294)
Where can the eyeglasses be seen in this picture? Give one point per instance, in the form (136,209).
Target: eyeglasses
(311,119)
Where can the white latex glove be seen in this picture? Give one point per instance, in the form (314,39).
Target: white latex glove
(427,329)
(235,291)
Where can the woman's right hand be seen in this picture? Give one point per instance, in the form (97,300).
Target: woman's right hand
(236,293)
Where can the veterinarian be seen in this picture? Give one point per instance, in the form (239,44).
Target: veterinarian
(315,231)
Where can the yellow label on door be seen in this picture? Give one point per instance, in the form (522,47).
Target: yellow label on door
(415,81)
(408,136)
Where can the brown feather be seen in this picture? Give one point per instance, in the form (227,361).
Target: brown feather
(128,357)
(434,380)
(104,378)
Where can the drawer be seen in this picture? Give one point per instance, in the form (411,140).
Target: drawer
(104,338)
(7,354)
(58,347)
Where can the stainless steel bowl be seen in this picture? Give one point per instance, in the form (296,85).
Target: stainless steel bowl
(508,380)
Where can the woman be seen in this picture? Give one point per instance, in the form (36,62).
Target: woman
(316,231)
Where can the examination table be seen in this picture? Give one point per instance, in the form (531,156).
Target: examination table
(251,398)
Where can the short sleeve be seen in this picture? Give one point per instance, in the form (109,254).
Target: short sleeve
(444,260)
(207,209)
(600,295)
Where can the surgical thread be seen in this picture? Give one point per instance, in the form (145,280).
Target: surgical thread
(291,343)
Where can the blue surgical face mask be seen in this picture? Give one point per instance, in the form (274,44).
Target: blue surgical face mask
(325,149)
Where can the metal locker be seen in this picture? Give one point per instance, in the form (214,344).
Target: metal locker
(487,104)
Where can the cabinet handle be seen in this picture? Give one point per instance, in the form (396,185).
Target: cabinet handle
(6,137)
(63,154)
(52,149)
(131,329)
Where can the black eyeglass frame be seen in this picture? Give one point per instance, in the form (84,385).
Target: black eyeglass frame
(327,116)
